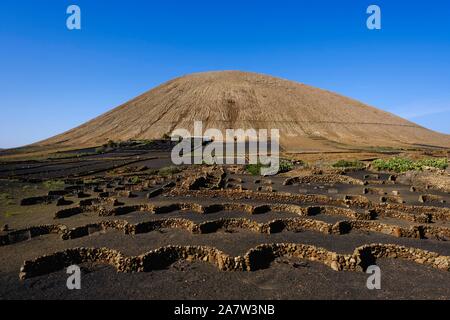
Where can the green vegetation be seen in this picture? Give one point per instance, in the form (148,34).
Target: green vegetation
(135,180)
(107,147)
(9,214)
(400,165)
(6,198)
(169,170)
(440,163)
(62,156)
(100,150)
(53,184)
(112,144)
(349,164)
(92,180)
(147,142)
(255,169)
(388,150)
(285,166)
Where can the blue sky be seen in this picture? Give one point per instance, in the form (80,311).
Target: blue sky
(53,79)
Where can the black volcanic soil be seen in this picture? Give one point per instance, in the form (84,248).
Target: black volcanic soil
(286,278)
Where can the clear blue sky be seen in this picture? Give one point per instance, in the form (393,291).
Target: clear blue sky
(52,79)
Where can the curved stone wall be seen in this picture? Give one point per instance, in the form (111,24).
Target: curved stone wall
(256,258)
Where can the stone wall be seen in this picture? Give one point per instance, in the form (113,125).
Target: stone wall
(257,258)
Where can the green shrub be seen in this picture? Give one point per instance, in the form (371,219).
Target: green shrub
(148,142)
(112,144)
(348,164)
(285,166)
(254,169)
(400,165)
(169,170)
(61,156)
(441,163)
(54,184)
(135,180)
(108,147)
(92,180)
(100,150)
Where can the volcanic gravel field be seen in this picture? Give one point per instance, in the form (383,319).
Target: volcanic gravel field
(141,229)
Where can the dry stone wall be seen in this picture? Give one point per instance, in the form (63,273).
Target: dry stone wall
(256,258)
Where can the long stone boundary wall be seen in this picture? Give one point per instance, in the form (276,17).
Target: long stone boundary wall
(256,258)
(426,215)
(353,201)
(105,210)
(274,226)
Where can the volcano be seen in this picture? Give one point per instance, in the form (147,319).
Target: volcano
(308,118)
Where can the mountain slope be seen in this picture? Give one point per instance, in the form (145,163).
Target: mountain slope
(308,118)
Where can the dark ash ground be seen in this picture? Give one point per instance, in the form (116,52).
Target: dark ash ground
(139,171)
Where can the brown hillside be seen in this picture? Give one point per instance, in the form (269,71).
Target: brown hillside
(308,118)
